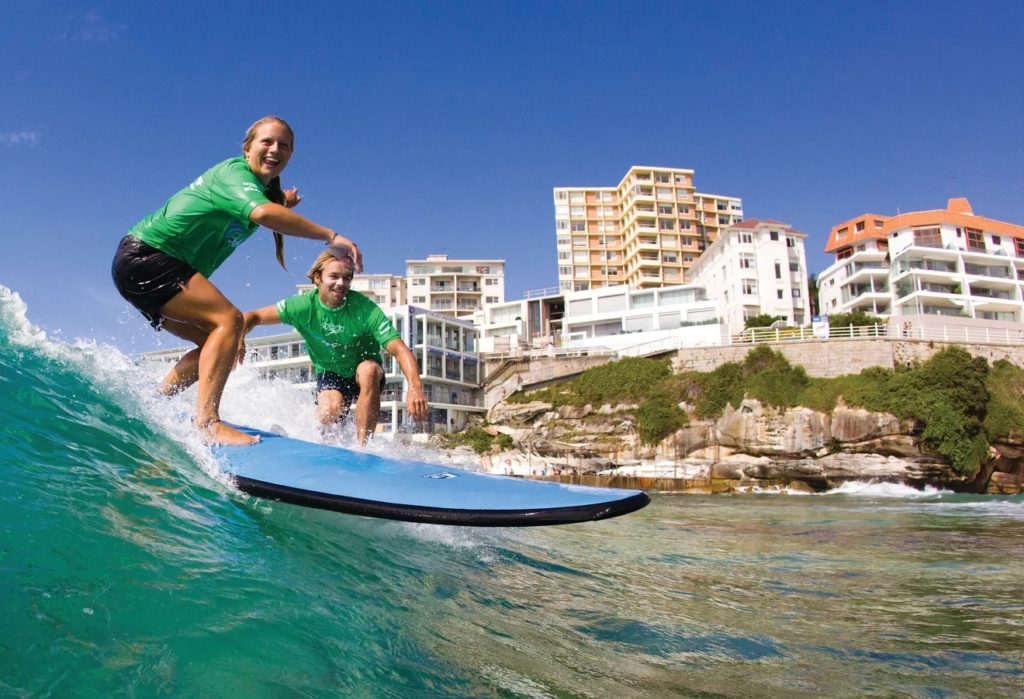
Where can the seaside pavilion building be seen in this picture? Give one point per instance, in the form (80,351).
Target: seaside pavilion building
(756,267)
(454,287)
(941,262)
(647,231)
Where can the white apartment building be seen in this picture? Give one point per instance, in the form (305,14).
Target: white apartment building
(644,232)
(386,290)
(610,317)
(756,267)
(454,287)
(942,262)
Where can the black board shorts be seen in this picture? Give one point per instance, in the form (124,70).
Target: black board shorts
(347,386)
(148,278)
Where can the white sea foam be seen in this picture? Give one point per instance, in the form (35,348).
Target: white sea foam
(131,385)
(879,489)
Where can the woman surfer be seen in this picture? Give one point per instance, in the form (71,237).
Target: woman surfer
(163,266)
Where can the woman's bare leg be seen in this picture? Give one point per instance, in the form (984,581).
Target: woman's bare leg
(186,371)
(202,305)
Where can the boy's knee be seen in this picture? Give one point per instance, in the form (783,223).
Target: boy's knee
(329,406)
(368,376)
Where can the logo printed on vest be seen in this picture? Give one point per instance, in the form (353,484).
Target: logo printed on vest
(234,235)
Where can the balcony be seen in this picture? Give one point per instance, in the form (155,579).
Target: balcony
(985,292)
(997,271)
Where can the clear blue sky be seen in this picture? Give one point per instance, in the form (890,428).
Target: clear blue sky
(442,127)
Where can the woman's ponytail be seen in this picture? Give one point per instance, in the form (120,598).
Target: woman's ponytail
(275,194)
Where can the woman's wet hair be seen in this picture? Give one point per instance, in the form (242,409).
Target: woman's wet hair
(273,192)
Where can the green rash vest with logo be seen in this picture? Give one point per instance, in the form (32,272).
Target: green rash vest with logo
(204,223)
(338,339)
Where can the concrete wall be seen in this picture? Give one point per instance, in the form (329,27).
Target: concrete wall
(537,371)
(830,358)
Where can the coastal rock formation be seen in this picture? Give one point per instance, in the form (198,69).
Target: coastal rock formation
(751,445)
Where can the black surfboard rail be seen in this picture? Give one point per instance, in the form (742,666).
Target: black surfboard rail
(438,515)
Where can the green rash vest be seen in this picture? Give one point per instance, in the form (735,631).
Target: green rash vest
(204,223)
(338,339)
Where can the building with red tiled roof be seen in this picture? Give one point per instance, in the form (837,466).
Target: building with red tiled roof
(940,262)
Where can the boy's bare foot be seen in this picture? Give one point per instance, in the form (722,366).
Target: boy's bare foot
(217,432)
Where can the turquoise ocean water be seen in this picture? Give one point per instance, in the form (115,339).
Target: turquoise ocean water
(128,567)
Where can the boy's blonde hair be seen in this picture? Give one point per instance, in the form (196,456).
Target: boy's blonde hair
(316,271)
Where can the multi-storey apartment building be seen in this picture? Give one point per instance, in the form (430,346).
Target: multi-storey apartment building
(756,267)
(386,290)
(454,287)
(945,262)
(645,232)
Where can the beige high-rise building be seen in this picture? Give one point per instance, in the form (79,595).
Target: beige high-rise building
(645,232)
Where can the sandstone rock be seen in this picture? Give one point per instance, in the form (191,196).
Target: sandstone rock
(572,412)
(517,412)
(755,444)
(860,425)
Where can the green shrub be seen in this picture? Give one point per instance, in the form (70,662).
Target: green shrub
(1005,416)
(841,320)
(658,417)
(476,438)
(718,388)
(763,320)
(626,380)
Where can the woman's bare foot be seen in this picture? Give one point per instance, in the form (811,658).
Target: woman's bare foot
(217,432)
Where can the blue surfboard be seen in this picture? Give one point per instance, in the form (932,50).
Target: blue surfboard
(333,478)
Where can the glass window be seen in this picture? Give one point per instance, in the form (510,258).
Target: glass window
(928,237)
